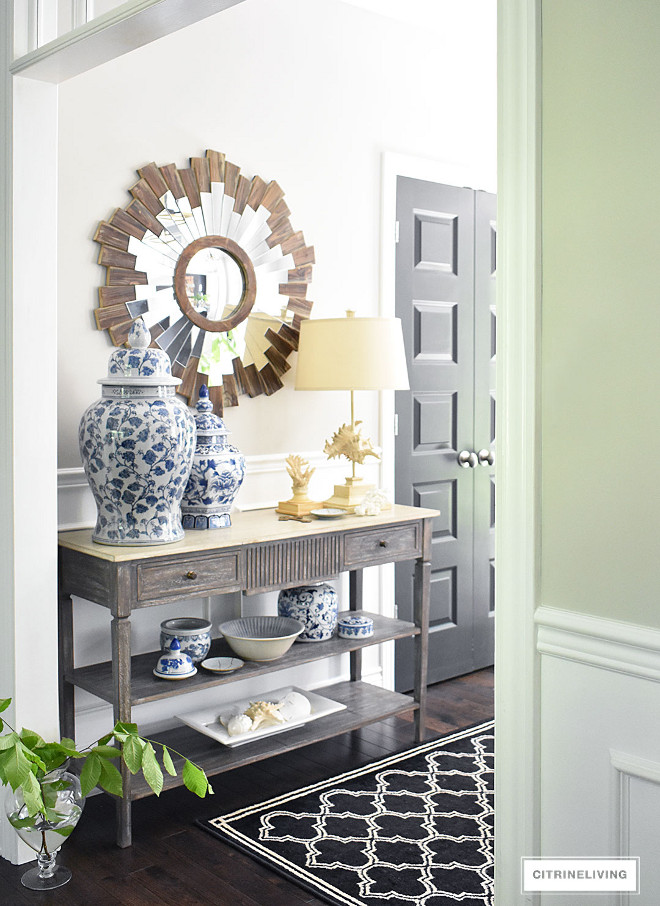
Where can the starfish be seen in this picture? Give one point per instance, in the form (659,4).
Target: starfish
(262,711)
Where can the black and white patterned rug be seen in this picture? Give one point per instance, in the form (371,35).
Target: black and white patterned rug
(413,828)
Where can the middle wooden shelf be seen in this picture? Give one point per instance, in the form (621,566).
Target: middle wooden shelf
(145,687)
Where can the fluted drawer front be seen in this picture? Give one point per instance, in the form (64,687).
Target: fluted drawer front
(292,562)
(399,543)
(189,576)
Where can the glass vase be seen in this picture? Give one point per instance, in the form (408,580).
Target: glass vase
(46,834)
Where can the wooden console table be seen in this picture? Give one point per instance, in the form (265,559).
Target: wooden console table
(258,553)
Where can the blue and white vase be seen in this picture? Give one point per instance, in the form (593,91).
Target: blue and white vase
(137,444)
(217,471)
(315,605)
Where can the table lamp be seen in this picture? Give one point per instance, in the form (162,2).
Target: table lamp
(351,354)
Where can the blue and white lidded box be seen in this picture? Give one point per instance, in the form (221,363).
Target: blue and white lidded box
(355,627)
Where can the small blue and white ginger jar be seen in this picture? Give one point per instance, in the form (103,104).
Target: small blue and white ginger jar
(192,633)
(174,663)
(217,472)
(315,605)
(137,444)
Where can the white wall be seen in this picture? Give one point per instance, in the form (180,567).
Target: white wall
(306,93)
(600,520)
(310,94)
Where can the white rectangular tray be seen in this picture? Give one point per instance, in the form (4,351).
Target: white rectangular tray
(206,719)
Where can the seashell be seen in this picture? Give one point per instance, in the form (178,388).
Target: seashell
(226,716)
(239,724)
(294,705)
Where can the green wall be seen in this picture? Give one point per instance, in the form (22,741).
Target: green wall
(601,308)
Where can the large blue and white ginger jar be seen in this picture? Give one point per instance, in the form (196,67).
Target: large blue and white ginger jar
(315,605)
(137,444)
(217,471)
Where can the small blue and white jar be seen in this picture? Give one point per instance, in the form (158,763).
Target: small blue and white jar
(137,444)
(192,633)
(315,605)
(355,627)
(217,472)
(174,664)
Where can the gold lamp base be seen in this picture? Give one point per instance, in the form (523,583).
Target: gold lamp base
(347,496)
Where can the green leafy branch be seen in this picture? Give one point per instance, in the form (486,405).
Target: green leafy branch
(26,758)
(214,353)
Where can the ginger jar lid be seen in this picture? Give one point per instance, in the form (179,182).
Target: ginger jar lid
(208,424)
(139,364)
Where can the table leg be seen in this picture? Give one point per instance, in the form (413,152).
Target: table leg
(121,679)
(355,585)
(421,599)
(66,689)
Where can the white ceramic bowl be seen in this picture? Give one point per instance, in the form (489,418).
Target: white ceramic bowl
(261,638)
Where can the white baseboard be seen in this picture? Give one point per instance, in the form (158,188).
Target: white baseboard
(598,642)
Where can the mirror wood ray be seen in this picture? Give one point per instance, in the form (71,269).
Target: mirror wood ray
(209,259)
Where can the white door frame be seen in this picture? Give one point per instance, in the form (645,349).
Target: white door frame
(518,290)
(517,541)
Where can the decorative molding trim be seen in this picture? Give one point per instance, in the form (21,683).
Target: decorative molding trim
(71,478)
(8,839)
(598,642)
(76,505)
(111,35)
(634,766)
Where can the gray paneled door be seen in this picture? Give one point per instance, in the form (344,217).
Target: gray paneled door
(445,297)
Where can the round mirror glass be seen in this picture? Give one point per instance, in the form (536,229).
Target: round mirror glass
(214,283)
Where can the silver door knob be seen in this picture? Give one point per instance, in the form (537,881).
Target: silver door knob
(467,459)
(486,457)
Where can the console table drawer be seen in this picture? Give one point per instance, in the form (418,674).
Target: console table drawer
(387,544)
(192,577)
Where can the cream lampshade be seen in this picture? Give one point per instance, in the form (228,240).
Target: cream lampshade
(351,354)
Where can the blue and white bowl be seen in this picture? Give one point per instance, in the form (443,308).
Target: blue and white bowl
(315,605)
(355,627)
(193,634)
(174,664)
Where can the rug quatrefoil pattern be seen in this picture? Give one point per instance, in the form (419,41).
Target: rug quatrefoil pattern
(413,828)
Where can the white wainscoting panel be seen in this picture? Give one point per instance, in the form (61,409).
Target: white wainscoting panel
(636,811)
(266,482)
(600,746)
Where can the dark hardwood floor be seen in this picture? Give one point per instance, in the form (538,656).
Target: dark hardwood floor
(172,861)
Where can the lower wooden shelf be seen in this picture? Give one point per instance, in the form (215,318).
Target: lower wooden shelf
(365,704)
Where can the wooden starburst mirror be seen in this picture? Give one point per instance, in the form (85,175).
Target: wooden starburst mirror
(209,259)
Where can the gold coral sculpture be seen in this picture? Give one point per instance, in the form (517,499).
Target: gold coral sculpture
(300,473)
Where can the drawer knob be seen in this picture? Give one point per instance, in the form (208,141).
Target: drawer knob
(191,574)
(382,543)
